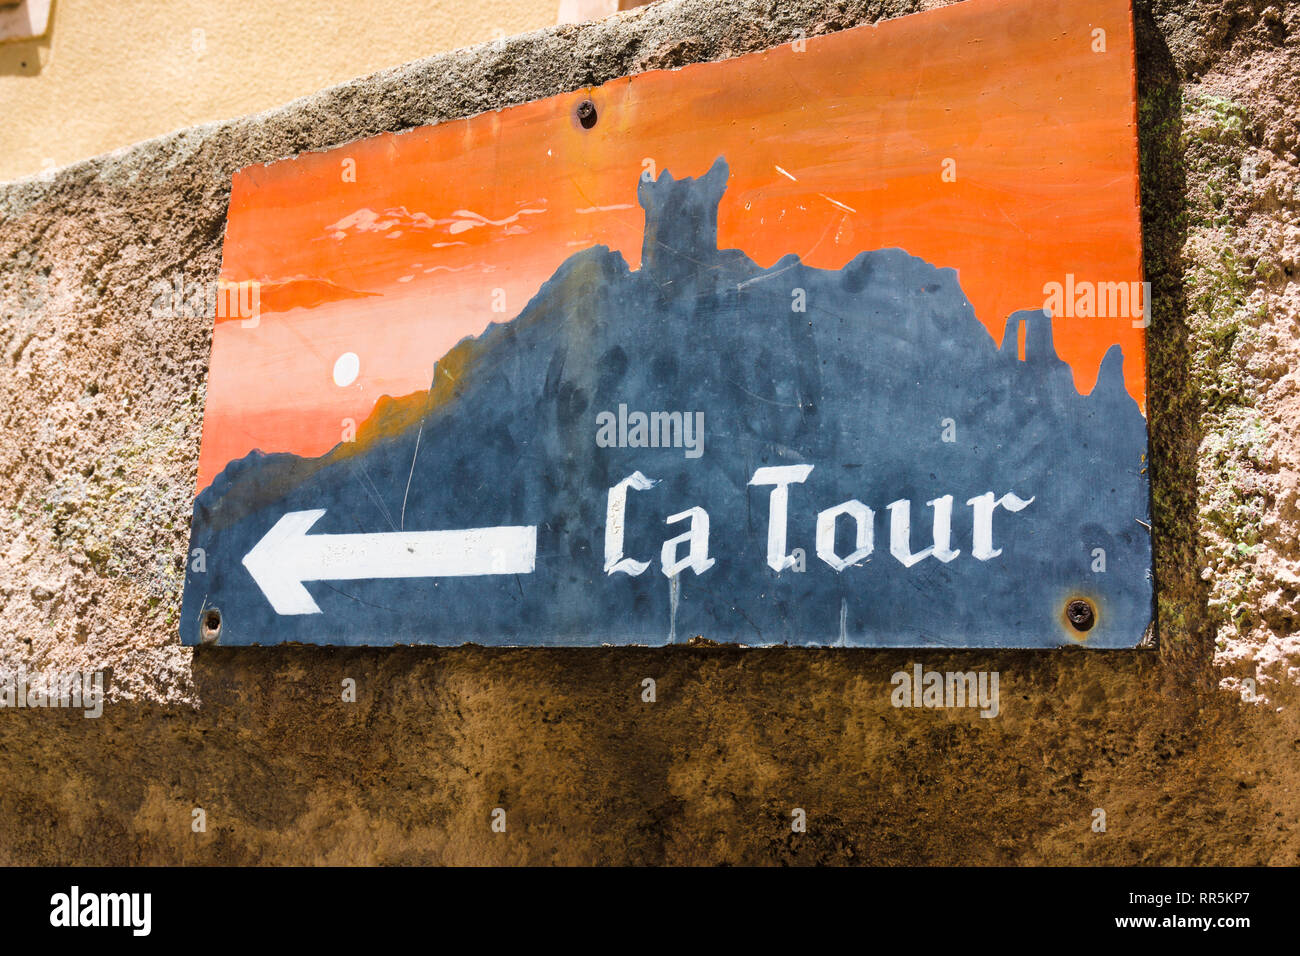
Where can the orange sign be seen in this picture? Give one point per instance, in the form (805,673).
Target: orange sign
(841,342)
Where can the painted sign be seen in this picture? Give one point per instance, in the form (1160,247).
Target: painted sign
(840,343)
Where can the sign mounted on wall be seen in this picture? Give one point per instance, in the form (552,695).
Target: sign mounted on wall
(841,343)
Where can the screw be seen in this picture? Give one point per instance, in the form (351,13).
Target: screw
(1081,615)
(587,114)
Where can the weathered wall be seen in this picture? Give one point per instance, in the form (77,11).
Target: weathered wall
(101,407)
(109,74)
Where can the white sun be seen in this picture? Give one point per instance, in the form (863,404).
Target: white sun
(346,369)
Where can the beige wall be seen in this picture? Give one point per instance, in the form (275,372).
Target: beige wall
(113,72)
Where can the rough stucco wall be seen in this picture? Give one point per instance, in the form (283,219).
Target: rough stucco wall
(110,74)
(101,409)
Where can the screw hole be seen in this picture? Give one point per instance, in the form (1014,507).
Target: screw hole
(211,625)
(587,114)
(1080,615)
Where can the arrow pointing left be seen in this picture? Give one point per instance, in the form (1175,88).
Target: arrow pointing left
(286,556)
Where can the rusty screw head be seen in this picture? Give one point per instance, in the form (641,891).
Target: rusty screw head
(1081,615)
(587,114)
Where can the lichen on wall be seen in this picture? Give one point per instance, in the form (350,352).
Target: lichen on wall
(1239,143)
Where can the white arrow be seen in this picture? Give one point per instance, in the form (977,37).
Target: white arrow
(286,556)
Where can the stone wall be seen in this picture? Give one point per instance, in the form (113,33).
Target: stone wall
(102,405)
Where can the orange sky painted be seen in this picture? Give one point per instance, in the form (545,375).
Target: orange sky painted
(834,149)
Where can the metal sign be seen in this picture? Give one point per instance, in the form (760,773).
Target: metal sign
(840,343)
